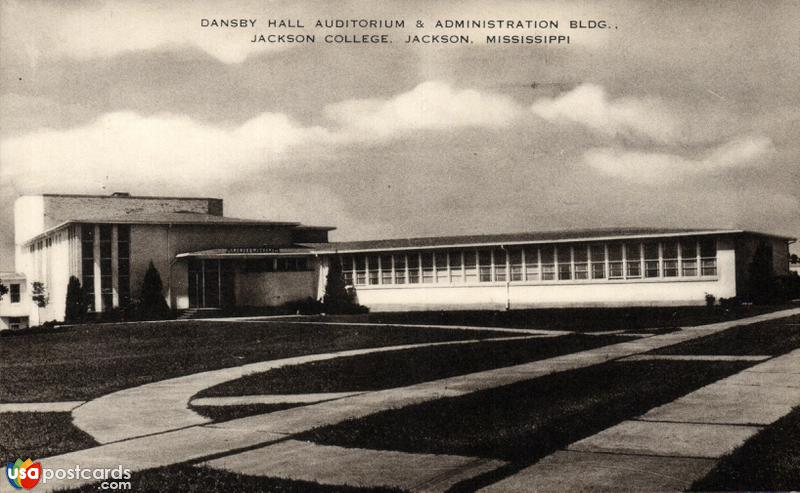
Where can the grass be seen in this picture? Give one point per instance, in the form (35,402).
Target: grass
(774,337)
(769,461)
(187,478)
(638,319)
(84,362)
(37,435)
(227,413)
(406,367)
(525,421)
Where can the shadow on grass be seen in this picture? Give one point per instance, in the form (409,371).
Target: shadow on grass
(87,361)
(218,414)
(639,319)
(37,435)
(392,369)
(774,337)
(769,461)
(526,421)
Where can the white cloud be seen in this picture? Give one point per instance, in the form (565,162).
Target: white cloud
(589,105)
(429,106)
(126,147)
(656,167)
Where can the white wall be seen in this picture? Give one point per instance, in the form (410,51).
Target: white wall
(644,292)
(8,309)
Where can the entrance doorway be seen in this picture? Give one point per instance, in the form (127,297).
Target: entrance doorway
(210,284)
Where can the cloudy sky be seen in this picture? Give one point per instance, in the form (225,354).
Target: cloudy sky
(680,114)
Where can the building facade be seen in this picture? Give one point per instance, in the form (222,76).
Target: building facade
(208,260)
(15,307)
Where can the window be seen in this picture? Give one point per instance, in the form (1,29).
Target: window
(615,261)
(400,268)
(361,270)
(515,261)
(651,263)
(13,292)
(598,260)
(580,260)
(15,323)
(413,268)
(427,267)
(373,269)
(442,275)
(124,263)
(500,274)
(633,260)
(347,270)
(564,257)
(87,265)
(485,265)
(708,257)
(456,269)
(386,269)
(532,264)
(470,266)
(548,263)
(106,290)
(669,254)
(689,258)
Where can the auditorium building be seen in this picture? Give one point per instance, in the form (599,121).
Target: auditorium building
(209,260)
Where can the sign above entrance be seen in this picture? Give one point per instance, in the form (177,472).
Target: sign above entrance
(264,249)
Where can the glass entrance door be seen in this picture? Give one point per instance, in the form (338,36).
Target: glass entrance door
(205,283)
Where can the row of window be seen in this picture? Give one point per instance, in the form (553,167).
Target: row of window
(629,260)
(45,243)
(105,241)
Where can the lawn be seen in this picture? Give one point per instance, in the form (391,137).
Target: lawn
(187,478)
(774,337)
(638,319)
(400,368)
(769,461)
(526,421)
(37,435)
(84,362)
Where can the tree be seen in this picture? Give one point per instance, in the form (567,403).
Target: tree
(337,299)
(3,289)
(39,296)
(152,305)
(76,305)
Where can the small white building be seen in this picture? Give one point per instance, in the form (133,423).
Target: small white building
(208,260)
(15,307)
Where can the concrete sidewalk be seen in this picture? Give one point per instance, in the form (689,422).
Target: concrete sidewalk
(196,442)
(163,406)
(670,446)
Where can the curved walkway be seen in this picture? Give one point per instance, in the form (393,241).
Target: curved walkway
(162,406)
(194,442)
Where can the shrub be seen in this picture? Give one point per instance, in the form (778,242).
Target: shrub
(338,299)
(710,299)
(151,304)
(76,306)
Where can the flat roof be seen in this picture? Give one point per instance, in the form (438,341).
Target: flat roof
(583,235)
(187,218)
(580,235)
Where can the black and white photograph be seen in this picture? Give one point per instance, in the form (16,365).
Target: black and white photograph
(399,246)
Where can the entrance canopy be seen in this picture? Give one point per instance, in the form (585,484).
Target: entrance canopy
(249,252)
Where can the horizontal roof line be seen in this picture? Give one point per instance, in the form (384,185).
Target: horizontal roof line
(110,196)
